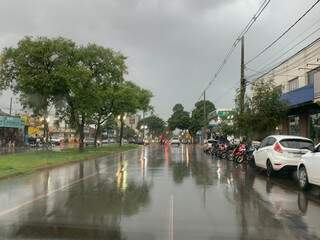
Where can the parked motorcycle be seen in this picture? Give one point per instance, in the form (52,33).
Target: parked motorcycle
(242,153)
(222,150)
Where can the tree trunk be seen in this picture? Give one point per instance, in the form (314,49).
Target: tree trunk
(46,130)
(81,136)
(96,134)
(121,130)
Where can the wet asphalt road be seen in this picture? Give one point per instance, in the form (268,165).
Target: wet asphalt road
(156,192)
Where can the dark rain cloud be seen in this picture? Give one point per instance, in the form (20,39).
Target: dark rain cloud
(173,46)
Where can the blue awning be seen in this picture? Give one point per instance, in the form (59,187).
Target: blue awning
(299,96)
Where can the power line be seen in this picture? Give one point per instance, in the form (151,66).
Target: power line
(290,66)
(288,50)
(251,81)
(236,42)
(258,72)
(283,34)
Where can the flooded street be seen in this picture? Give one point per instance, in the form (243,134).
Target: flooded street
(156,192)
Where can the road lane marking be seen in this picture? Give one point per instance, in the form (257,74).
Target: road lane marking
(45,195)
(171,219)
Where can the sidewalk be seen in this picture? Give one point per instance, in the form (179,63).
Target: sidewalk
(7,150)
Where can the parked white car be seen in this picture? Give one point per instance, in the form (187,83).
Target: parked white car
(281,152)
(90,142)
(308,170)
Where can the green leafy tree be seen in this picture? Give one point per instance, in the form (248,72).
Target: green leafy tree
(225,127)
(107,70)
(155,124)
(79,98)
(128,133)
(198,120)
(263,111)
(109,125)
(128,99)
(179,119)
(32,70)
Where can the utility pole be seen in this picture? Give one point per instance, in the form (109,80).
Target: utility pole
(10,111)
(204,116)
(242,80)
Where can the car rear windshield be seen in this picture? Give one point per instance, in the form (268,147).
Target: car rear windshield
(297,144)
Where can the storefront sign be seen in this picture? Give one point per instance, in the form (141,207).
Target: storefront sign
(11,122)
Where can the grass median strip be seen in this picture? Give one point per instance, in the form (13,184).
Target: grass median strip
(19,163)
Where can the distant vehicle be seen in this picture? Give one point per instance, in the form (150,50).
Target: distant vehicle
(308,169)
(185,141)
(146,142)
(56,141)
(131,140)
(107,141)
(139,141)
(281,152)
(90,142)
(175,141)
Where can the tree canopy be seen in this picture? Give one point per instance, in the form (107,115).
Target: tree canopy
(33,69)
(198,120)
(85,84)
(179,119)
(155,124)
(263,111)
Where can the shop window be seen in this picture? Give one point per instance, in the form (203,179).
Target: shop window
(314,127)
(313,75)
(314,79)
(294,128)
(293,84)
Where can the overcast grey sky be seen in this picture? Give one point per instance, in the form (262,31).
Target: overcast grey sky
(173,46)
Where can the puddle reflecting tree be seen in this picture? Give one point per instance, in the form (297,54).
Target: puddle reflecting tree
(92,208)
(180,171)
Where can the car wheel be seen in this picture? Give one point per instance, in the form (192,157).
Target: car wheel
(303,178)
(270,170)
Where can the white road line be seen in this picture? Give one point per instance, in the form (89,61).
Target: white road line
(171,219)
(41,196)
(44,195)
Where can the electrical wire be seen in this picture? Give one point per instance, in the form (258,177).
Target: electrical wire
(251,81)
(288,50)
(236,42)
(290,66)
(283,34)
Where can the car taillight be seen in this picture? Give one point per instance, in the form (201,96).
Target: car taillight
(277,148)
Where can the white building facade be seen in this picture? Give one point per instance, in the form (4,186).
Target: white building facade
(298,77)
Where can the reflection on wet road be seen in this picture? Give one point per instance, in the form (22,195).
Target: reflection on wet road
(155,192)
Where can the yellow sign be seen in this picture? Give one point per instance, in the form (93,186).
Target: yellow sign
(32,131)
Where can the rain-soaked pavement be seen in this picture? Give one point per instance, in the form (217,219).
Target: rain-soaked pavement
(156,192)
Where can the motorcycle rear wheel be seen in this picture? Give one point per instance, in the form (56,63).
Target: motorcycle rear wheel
(240,159)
